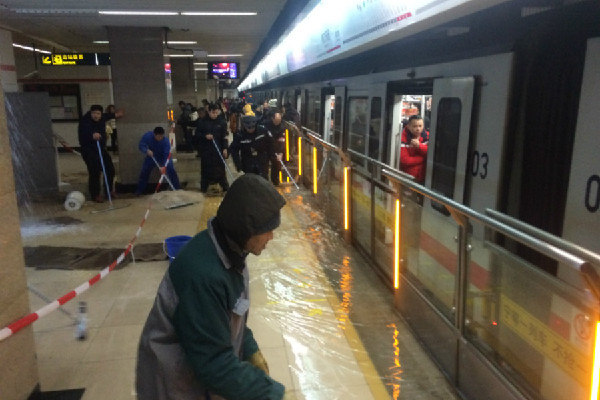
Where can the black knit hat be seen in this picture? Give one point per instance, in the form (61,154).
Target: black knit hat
(96,107)
(250,207)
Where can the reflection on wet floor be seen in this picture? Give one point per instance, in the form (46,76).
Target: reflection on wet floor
(323,318)
(365,303)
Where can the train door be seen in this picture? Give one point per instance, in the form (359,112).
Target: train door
(298,101)
(328,109)
(374,131)
(428,232)
(582,213)
(447,157)
(404,98)
(338,116)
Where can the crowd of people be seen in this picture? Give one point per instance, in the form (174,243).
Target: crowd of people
(258,136)
(257,145)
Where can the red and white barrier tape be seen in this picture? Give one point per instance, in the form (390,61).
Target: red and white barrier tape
(19,324)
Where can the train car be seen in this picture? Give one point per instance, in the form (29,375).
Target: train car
(509,96)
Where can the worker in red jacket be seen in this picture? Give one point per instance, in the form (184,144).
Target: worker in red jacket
(413,148)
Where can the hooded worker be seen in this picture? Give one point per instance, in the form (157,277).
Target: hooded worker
(195,343)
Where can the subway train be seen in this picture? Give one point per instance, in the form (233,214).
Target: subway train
(510,108)
(510,103)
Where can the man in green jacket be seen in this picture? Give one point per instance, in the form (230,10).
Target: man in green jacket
(195,343)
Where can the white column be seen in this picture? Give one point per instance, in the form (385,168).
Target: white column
(8,71)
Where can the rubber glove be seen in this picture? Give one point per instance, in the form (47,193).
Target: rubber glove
(258,360)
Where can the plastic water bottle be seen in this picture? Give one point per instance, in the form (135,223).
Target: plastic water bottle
(82,320)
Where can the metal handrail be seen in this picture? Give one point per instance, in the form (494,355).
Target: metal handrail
(545,236)
(581,260)
(315,137)
(381,164)
(562,255)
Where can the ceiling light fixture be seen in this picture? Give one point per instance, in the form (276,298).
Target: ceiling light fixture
(181,42)
(20,46)
(179,55)
(108,12)
(225,55)
(52,11)
(200,63)
(207,13)
(100,41)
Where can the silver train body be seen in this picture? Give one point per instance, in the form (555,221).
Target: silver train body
(527,138)
(512,111)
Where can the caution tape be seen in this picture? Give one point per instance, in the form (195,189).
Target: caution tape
(21,323)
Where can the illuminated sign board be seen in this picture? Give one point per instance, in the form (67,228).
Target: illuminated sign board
(70,59)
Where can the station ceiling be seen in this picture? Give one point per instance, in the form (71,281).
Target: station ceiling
(74,25)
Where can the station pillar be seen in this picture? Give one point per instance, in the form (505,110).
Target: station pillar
(19,376)
(138,77)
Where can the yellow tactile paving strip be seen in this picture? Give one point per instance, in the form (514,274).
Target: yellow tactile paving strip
(209,210)
(365,363)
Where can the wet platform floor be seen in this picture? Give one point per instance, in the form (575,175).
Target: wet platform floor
(323,319)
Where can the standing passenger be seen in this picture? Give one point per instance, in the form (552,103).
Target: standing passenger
(195,343)
(212,141)
(92,130)
(413,148)
(111,129)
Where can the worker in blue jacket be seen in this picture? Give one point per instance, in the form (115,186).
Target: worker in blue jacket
(156,146)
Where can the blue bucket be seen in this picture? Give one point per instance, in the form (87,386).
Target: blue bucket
(173,245)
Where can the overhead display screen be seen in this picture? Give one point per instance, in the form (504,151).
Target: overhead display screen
(223,70)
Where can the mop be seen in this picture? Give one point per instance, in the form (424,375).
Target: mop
(222,159)
(288,173)
(111,207)
(211,192)
(180,202)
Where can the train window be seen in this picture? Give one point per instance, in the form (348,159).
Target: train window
(446,148)
(357,127)
(374,127)
(337,123)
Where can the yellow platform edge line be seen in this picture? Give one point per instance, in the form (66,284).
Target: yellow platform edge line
(377,388)
(209,210)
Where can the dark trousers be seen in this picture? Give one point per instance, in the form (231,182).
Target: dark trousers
(114,141)
(206,180)
(147,168)
(94,167)
(212,170)
(275,168)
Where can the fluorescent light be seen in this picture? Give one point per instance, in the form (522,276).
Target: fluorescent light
(20,46)
(101,41)
(195,13)
(138,12)
(200,63)
(181,42)
(200,69)
(52,11)
(225,55)
(179,55)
